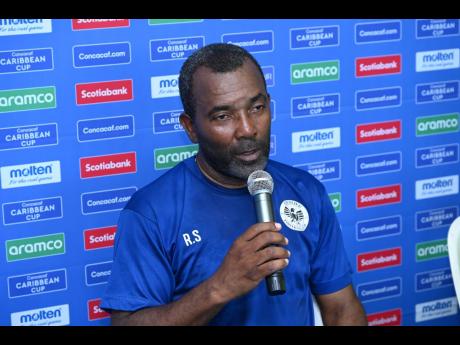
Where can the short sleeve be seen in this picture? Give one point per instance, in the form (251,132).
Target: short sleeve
(331,270)
(141,274)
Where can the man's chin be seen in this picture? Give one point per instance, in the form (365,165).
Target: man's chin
(243,168)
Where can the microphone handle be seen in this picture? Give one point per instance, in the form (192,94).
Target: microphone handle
(264,208)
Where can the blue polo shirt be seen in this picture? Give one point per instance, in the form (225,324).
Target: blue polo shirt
(175,232)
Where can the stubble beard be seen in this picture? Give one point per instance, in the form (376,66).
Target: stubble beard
(226,163)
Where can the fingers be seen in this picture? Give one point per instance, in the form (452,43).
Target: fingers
(272,266)
(268,238)
(258,228)
(272,253)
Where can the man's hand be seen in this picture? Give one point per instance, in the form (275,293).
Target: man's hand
(250,259)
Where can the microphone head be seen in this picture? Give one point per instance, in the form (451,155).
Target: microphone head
(260,181)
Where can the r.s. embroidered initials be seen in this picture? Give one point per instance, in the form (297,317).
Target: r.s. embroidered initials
(189,240)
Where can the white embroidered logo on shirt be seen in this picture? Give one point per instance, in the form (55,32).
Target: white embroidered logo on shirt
(294,215)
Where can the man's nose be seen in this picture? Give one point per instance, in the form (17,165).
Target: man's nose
(247,126)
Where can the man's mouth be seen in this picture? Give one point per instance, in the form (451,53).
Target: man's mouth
(249,155)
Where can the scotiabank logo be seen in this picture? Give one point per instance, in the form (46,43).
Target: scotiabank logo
(378,196)
(385,318)
(116,164)
(104,92)
(380,259)
(378,131)
(94,310)
(378,65)
(89,24)
(99,237)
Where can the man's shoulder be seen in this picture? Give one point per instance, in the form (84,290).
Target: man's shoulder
(159,191)
(297,178)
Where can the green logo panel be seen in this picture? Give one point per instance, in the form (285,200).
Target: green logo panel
(437,124)
(168,157)
(315,71)
(27,99)
(431,250)
(35,247)
(336,201)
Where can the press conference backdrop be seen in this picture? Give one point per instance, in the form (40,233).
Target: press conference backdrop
(89,113)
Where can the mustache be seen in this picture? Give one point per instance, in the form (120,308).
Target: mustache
(246,145)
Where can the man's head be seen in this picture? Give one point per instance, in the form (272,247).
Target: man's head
(219,58)
(226,110)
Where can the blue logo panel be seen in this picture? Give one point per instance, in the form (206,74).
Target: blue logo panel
(437,92)
(315,105)
(93,55)
(254,42)
(377,32)
(432,219)
(378,164)
(380,289)
(26,60)
(105,128)
(106,200)
(98,273)
(269,74)
(323,171)
(32,210)
(174,48)
(314,37)
(433,279)
(25,137)
(379,227)
(37,283)
(378,98)
(272,145)
(436,155)
(167,122)
(432,28)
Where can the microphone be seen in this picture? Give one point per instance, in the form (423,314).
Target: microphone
(260,186)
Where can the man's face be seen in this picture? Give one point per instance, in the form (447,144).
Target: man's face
(232,120)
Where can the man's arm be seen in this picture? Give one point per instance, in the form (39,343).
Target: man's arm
(195,308)
(341,308)
(250,259)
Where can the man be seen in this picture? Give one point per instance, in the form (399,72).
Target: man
(189,250)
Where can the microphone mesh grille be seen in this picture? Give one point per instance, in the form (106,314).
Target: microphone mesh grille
(260,181)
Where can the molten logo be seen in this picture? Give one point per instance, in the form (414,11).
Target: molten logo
(385,318)
(89,24)
(378,196)
(378,131)
(99,237)
(378,65)
(94,311)
(379,259)
(104,92)
(116,164)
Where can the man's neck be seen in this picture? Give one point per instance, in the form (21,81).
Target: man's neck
(212,175)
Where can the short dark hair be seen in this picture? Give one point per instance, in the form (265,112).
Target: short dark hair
(220,58)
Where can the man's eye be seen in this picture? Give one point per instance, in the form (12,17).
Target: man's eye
(258,107)
(221,117)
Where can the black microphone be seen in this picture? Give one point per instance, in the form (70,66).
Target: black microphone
(260,186)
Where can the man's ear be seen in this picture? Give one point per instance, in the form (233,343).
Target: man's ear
(187,122)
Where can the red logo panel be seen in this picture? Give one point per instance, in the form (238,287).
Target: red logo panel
(378,131)
(100,237)
(94,311)
(104,92)
(378,196)
(89,24)
(378,65)
(379,259)
(116,164)
(385,318)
